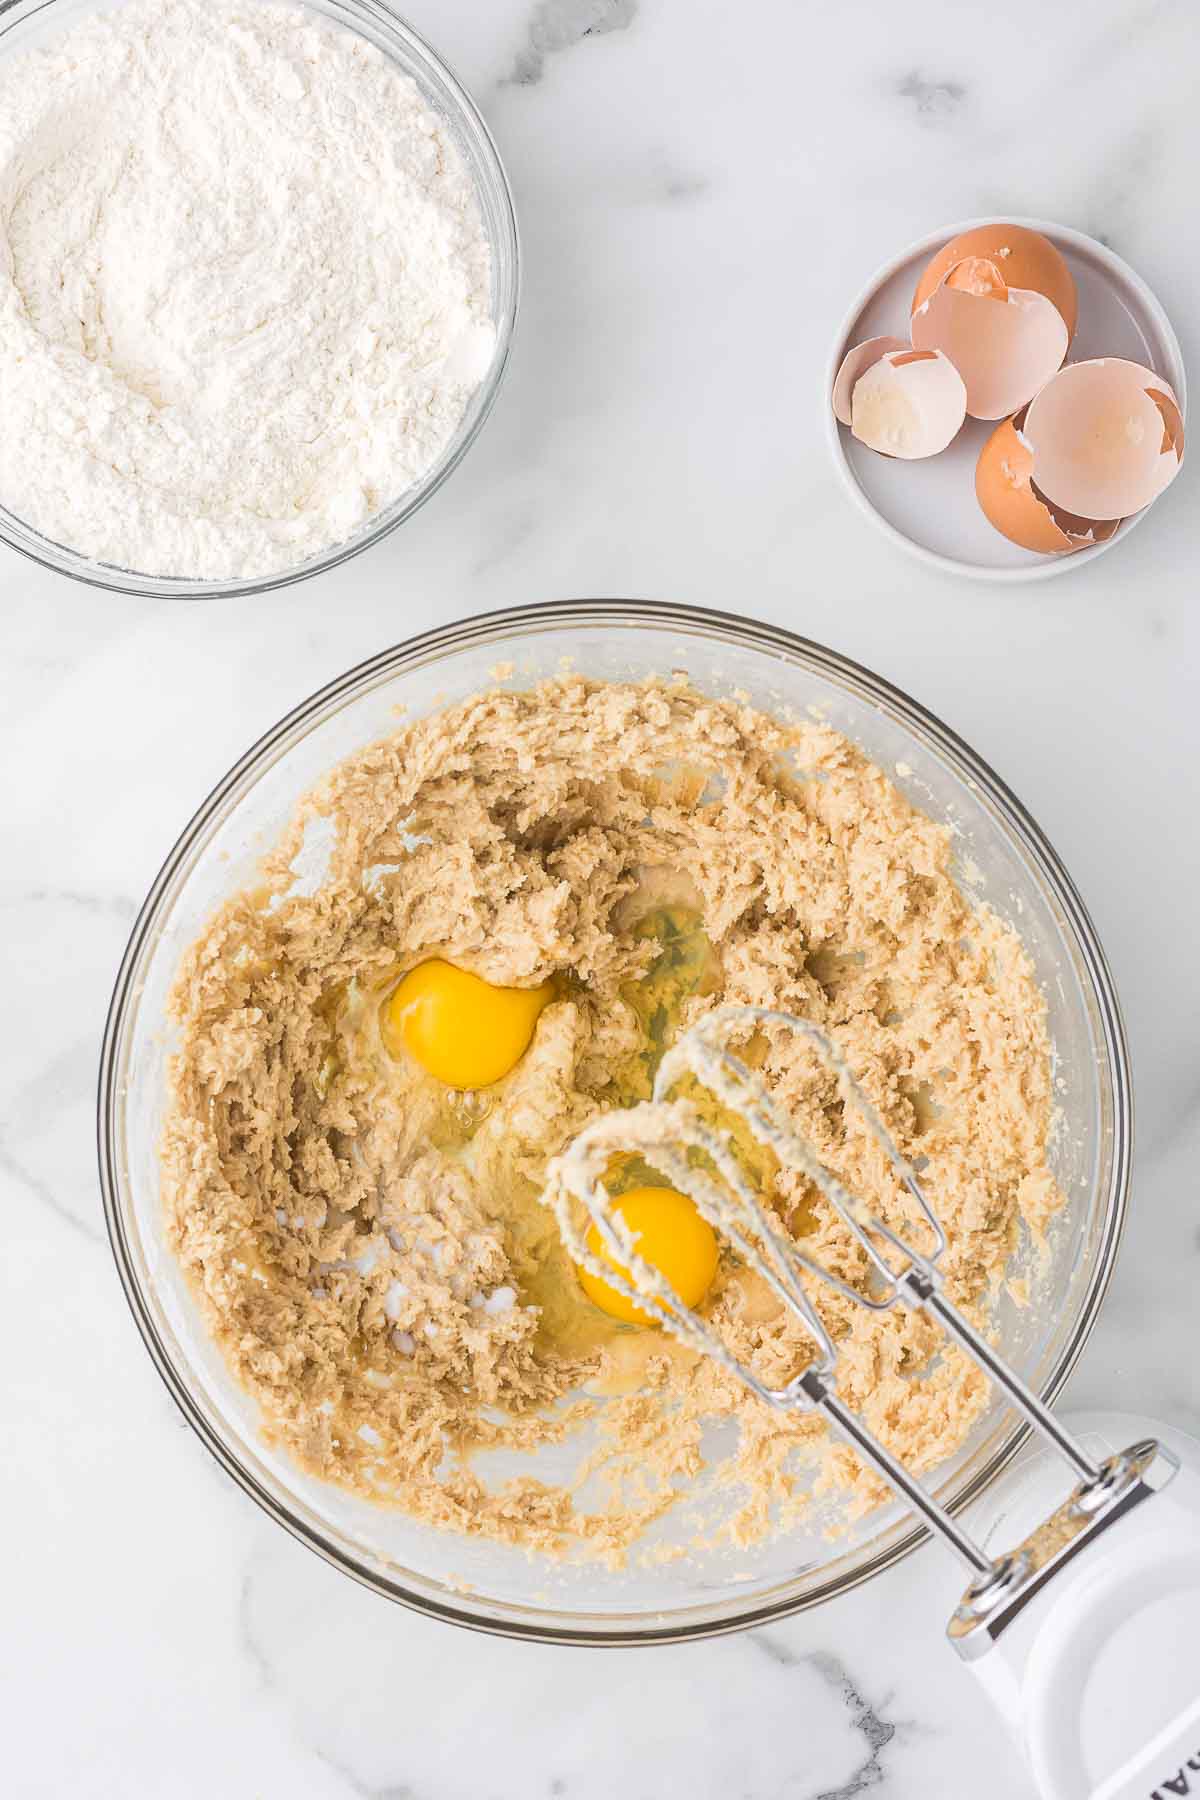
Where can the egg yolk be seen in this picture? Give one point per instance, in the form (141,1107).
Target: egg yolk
(671,1236)
(460,1028)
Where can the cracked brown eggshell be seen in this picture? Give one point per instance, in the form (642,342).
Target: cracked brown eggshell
(1006,342)
(1024,258)
(856,362)
(1012,503)
(909,403)
(1106,438)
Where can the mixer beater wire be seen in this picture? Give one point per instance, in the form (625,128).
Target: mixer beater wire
(699,1159)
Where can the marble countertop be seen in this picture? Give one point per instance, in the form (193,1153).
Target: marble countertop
(701,189)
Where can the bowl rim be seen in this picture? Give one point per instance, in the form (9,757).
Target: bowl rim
(482,629)
(489,176)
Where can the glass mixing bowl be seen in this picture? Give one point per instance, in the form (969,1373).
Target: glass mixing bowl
(28,24)
(1007,860)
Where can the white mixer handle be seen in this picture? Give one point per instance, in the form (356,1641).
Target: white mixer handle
(1097,1668)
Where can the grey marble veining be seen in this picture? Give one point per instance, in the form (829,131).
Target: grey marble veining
(558,25)
(701,188)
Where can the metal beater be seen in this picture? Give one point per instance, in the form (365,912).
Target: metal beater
(701,1159)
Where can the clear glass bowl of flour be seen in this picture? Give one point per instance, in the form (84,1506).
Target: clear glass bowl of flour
(27,25)
(1004,858)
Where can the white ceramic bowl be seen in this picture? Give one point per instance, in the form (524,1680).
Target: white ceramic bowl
(928,508)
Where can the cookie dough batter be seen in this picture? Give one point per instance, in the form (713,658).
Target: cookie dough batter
(370,1248)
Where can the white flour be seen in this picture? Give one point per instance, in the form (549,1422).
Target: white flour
(244,287)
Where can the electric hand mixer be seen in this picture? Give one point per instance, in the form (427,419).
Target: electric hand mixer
(1086,1635)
